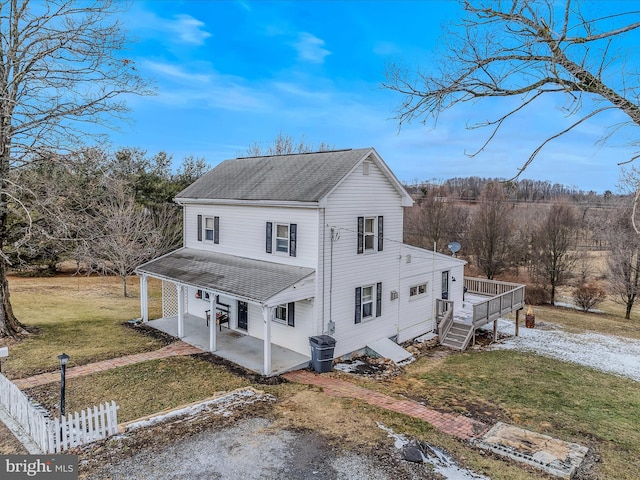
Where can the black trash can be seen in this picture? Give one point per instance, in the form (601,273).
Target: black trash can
(322,347)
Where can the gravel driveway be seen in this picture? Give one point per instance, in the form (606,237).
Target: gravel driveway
(250,449)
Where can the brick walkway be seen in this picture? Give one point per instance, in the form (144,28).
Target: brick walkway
(172,350)
(461,427)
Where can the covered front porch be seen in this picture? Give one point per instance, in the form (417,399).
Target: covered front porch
(232,345)
(254,313)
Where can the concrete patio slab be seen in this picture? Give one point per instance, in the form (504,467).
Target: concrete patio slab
(556,457)
(233,345)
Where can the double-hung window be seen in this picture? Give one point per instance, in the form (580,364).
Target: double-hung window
(208,229)
(285,313)
(281,238)
(368,302)
(370,234)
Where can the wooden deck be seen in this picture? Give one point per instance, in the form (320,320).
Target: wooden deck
(488,299)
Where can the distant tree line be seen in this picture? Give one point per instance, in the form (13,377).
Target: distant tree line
(527,232)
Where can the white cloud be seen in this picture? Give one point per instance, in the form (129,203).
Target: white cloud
(174,72)
(188,29)
(311,48)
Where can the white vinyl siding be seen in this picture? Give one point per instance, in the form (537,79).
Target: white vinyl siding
(242,231)
(361,196)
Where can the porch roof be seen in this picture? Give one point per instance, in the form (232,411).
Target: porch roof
(253,280)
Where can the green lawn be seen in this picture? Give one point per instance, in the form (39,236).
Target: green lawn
(80,316)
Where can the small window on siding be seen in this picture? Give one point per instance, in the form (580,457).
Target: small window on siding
(282,238)
(368,302)
(211,229)
(285,313)
(418,290)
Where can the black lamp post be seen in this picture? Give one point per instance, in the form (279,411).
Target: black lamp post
(64,358)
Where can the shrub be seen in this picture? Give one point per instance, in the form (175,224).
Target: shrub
(588,295)
(536,295)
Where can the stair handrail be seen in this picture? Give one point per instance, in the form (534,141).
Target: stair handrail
(444,317)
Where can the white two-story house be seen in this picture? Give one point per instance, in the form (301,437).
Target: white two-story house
(278,249)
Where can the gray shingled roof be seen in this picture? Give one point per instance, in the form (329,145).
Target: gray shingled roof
(305,177)
(237,276)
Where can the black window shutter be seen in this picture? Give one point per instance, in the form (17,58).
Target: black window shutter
(269,235)
(199,228)
(380,233)
(216,229)
(291,314)
(293,235)
(358,304)
(360,234)
(378,299)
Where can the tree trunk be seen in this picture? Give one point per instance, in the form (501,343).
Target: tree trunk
(124,285)
(9,324)
(627,314)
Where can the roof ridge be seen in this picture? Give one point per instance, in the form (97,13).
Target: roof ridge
(300,153)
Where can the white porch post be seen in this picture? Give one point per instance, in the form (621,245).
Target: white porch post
(267,313)
(144,299)
(180,310)
(212,323)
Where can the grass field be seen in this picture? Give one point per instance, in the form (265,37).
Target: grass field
(83,317)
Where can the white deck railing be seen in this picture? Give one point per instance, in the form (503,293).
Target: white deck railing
(506,297)
(54,436)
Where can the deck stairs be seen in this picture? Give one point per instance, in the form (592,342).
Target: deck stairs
(458,336)
(495,299)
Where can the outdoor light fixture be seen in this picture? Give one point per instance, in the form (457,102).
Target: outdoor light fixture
(453,279)
(63,359)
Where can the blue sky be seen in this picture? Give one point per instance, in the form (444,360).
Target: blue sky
(231,73)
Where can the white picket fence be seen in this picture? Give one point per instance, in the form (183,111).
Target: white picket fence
(54,436)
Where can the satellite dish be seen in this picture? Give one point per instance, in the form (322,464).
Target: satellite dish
(454,247)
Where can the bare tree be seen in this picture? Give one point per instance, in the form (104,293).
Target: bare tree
(285,145)
(491,235)
(528,49)
(121,234)
(623,263)
(553,253)
(61,74)
(434,220)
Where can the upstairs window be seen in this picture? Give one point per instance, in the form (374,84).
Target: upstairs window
(208,228)
(370,234)
(283,236)
(211,227)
